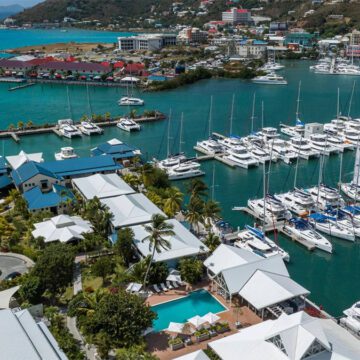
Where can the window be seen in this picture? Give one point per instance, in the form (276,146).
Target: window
(276,340)
(315,348)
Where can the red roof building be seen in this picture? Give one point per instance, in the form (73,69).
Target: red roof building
(135,68)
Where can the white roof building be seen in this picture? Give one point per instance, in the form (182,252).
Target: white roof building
(293,337)
(22,338)
(63,228)
(102,186)
(262,282)
(196,355)
(183,243)
(16,161)
(129,210)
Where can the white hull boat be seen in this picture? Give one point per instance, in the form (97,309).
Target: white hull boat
(352,318)
(185,170)
(210,146)
(128,125)
(297,201)
(66,153)
(89,128)
(241,157)
(131,101)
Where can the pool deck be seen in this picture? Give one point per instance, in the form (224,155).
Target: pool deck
(157,343)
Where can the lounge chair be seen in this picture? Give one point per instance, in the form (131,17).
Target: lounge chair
(157,290)
(162,285)
(169,285)
(175,284)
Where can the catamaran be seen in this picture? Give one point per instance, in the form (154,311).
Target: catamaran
(185,170)
(298,201)
(302,147)
(268,133)
(128,124)
(320,142)
(66,153)
(256,241)
(67,129)
(352,318)
(301,229)
(326,197)
(89,128)
(241,157)
(210,146)
(131,101)
(282,150)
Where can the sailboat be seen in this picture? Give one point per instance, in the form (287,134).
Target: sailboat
(299,128)
(352,189)
(129,99)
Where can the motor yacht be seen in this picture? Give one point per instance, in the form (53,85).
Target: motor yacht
(210,146)
(282,150)
(230,142)
(352,318)
(89,128)
(130,101)
(328,225)
(274,211)
(185,170)
(260,154)
(254,240)
(171,161)
(66,153)
(320,143)
(271,66)
(302,147)
(241,157)
(69,131)
(301,229)
(335,127)
(351,135)
(298,201)
(270,79)
(268,133)
(297,130)
(128,124)
(327,197)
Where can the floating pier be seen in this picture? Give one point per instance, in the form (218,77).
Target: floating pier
(21,86)
(15,137)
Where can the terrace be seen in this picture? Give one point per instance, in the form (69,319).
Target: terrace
(157,342)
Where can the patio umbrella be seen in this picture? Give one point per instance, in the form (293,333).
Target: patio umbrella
(175,327)
(174,275)
(211,318)
(197,321)
(134,287)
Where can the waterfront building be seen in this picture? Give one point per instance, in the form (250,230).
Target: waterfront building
(74,67)
(302,39)
(183,244)
(21,337)
(14,65)
(129,210)
(63,228)
(251,49)
(263,283)
(116,149)
(101,186)
(235,16)
(57,200)
(15,161)
(146,42)
(292,337)
(190,35)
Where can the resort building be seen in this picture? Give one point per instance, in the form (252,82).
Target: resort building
(15,161)
(63,228)
(129,210)
(118,150)
(190,35)
(196,355)
(21,337)
(146,42)
(183,244)
(102,186)
(263,283)
(251,49)
(294,337)
(56,200)
(236,16)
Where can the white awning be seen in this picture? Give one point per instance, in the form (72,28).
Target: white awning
(211,318)
(175,327)
(197,321)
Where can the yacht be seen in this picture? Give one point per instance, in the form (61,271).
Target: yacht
(128,124)
(352,211)
(185,170)
(352,189)
(328,225)
(268,133)
(271,66)
(69,131)
(230,142)
(335,126)
(254,240)
(302,147)
(241,157)
(66,153)
(297,130)
(301,229)
(282,150)
(171,161)
(130,101)
(339,143)
(319,142)
(210,146)
(274,210)
(346,221)
(352,318)
(260,154)
(326,197)
(298,201)
(89,128)
(270,79)
(351,135)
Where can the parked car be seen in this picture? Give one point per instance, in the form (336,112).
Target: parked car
(12,275)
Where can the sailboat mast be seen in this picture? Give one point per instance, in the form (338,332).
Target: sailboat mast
(88,99)
(168,135)
(262,114)
(181,131)
(356,169)
(298,103)
(338,104)
(320,178)
(68,101)
(232,114)
(210,115)
(213,183)
(253,114)
(351,99)
(297,165)
(264,193)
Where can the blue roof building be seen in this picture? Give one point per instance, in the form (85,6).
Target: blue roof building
(3,167)
(5,180)
(116,149)
(55,201)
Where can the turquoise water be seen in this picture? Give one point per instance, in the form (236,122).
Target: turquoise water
(332,279)
(12,38)
(198,302)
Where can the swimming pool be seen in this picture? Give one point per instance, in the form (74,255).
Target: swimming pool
(198,302)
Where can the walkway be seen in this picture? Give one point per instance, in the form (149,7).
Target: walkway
(77,277)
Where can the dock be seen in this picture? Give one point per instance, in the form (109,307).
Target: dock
(278,226)
(15,137)
(21,86)
(57,132)
(209,156)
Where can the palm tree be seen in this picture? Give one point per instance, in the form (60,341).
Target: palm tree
(29,124)
(212,241)
(158,230)
(132,180)
(195,213)
(212,212)
(197,188)
(132,114)
(20,125)
(173,201)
